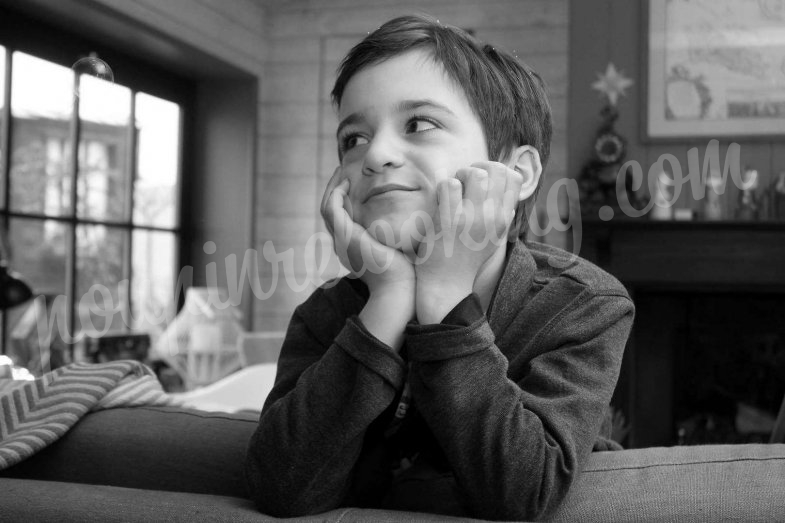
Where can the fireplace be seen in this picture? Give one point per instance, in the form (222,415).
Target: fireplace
(706,358)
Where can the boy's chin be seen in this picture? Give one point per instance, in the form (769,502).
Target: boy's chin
(403,237)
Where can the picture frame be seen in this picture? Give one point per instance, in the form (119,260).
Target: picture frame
(714,69)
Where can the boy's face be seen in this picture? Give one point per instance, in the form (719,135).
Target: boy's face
(404,127)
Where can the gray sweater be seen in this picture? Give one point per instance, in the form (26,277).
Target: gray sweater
(504,409)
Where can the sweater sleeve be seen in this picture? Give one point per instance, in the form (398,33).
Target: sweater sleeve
(311,430)
(516,438)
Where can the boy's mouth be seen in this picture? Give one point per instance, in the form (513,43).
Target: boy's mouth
(388,187)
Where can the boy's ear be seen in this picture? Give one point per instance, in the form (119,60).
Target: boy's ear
(526,160)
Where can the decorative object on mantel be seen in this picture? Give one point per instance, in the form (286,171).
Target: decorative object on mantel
(597,181)
(777,197)
(749,206)
(663,195)
(712,207)
(683,215)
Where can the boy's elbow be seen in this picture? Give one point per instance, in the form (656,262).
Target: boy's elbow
(264,494)
(535,494)
(255,486)
(529,504)
(274,496)
(557,474)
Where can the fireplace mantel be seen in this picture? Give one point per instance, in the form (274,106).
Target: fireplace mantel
(723,255)
(666,266)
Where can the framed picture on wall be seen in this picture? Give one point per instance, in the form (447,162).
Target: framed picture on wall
(715,68)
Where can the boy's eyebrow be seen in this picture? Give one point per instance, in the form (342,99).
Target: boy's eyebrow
(349,120)
(411,105)
(401,107)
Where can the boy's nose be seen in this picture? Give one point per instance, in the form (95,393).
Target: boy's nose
(383,153)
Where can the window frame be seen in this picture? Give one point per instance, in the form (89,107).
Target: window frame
(37,38)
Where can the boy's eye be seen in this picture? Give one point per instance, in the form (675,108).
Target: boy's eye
(419,125)
(351,141)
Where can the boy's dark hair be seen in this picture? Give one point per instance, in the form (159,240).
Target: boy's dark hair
(507,97)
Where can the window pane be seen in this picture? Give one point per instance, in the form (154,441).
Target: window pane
(103,181)
(39,255)
(2,140)
(155,194)
(41,106)
(153,276)
(100,256)
(39,252)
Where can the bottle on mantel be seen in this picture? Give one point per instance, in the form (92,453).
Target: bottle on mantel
(712,208)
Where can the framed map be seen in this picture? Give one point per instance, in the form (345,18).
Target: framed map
(716,68)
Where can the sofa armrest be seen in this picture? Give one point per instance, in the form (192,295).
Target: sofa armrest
(693,483)
(157,448)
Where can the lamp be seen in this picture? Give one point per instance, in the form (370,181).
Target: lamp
(13,291)
(200,344)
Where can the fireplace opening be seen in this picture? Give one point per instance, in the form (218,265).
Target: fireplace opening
(730,381)
(704,367)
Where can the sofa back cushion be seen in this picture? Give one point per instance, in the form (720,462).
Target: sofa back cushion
(161,448)
(685,484)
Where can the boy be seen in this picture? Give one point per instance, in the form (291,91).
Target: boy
(453,374)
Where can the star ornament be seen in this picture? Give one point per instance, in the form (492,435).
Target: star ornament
(612,84)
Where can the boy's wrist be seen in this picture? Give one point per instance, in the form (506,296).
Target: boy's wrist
(434,302)
(387,312)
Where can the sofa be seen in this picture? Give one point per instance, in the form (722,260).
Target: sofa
(179,464)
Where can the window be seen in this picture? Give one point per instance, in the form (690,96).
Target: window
(89,201)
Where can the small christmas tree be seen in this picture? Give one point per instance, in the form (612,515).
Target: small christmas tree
(597,181)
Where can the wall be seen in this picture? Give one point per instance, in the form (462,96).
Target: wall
(297,156)
(605,31)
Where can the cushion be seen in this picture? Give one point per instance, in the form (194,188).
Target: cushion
(29,500)
(693,483)
(162,448)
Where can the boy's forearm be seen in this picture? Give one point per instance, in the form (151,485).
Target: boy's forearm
(387,312)
(520,421)
(313,389)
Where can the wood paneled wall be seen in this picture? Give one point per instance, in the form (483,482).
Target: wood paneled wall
(603,31)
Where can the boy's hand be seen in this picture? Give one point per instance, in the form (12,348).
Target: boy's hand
(475,210)
(387,272)
(373,262)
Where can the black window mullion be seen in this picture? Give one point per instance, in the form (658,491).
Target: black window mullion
(70,259)
(5,162)
(90,221)
(129,203)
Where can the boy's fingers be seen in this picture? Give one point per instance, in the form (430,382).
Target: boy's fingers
(512,191)
(336,217)
(334,203)
(475,183)
(499,178)
(449,194)
(335,179)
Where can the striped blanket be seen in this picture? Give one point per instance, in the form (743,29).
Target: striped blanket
(34,414)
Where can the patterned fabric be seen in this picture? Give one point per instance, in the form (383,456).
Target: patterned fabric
(34,414)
